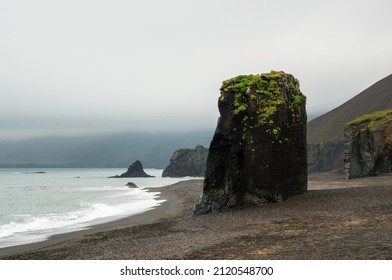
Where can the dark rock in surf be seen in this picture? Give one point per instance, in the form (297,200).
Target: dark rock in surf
(131,185)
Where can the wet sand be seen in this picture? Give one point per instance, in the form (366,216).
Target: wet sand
(335,219)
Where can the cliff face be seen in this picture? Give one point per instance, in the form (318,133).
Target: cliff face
(187,162)
(258,152)
(324,156)
(368,146)
(325,134)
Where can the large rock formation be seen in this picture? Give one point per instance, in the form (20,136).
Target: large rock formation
(134,170)
(187,162)
(368,147)
(258,152)
(325,134)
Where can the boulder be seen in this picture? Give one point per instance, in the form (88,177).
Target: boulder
(131,185)
(187,162)
(134,170)
(368,145)
(258,152)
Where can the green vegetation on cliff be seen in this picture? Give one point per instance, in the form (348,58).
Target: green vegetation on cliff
(373,120)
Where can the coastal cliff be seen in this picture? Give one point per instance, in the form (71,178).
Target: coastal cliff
(187,162)
(258,152)
(325,135)
(368,146)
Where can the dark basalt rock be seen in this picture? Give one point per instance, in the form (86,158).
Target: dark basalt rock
(131,185)
(187,162)
(368,146)
(134,170)
(258,152)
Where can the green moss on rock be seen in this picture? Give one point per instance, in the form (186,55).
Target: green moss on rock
(265,93)
(373,120)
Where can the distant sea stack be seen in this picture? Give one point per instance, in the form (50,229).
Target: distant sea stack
(187,162)
(134,170)
(368,145)
(258,152)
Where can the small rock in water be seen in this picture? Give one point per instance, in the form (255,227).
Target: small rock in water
(131,185)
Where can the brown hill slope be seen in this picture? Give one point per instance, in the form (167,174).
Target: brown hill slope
(328,128)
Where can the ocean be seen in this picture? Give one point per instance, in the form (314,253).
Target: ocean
(38,203)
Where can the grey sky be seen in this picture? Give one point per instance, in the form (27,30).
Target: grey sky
(95,66)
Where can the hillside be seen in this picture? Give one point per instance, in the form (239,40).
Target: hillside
(329,127)
(325,133)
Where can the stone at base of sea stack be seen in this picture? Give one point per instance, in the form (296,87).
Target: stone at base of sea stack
(258,152)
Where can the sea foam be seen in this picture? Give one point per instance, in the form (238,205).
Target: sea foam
(35,206)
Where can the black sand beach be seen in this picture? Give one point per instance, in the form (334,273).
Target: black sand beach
(335,219)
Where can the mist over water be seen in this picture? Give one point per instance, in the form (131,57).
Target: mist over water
(115,150)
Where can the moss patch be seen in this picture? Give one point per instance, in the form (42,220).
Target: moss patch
(373,120)
(266,92)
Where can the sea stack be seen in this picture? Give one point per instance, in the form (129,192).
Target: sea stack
(258,152)
(134,170)
(368,145)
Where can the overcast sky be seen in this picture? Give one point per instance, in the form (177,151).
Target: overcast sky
(80,66)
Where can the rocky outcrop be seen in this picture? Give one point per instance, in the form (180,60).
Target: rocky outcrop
(134,170)
(131,185)
(187,162)
(368,146)
(329,127)
(258,152)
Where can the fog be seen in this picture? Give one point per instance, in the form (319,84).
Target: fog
(82,67)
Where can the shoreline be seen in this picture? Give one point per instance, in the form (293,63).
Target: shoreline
(171,207)
(335,219)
